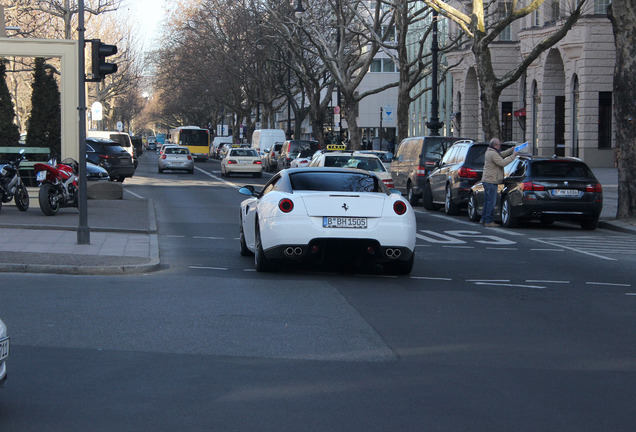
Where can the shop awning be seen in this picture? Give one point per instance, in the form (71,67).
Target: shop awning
(520,112)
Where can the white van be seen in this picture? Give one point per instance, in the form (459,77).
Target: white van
(264,139)
(120,137)
(217,141)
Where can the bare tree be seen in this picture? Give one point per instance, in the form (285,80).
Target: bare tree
(622,13)
(482,25)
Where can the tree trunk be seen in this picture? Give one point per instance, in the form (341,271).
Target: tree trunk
(488,92)
(623,16)
(350,107)
(404,101)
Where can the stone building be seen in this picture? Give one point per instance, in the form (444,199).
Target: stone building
(563,103)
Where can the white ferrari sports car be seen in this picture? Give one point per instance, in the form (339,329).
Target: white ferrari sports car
(327,214)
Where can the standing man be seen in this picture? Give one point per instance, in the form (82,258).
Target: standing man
(494,163)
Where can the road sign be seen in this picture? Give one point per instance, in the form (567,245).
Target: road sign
(96,111)
(336,109)
(120,126)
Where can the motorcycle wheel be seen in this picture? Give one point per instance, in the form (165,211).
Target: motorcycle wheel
(22,198)
(48,201)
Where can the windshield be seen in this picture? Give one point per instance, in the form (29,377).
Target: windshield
(243,152)
(360,162)
(335,181)
(193,137)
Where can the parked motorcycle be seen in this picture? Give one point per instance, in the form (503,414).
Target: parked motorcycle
(58,185)
(11,185)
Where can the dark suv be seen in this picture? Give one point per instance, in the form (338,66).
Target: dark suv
(292,148)
(111,156)
(449,184)
(546,189)
(414,160)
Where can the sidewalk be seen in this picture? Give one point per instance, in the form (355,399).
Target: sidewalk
(123,235)
(123,238)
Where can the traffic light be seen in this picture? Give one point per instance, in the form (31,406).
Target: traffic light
(100,68)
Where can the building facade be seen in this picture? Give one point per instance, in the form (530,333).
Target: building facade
(563,103)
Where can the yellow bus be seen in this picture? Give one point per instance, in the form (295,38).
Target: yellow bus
(195,138)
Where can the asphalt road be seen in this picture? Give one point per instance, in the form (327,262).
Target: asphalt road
(529,329)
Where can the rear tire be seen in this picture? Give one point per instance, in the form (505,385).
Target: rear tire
(400,267)
(427,199)
(507,220)
(450,208)
(47,198)
(261,262)
(244,250)
(413,199)
(21,198)
(473,215)
(589,224)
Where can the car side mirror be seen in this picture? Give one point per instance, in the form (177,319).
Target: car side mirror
(247,190)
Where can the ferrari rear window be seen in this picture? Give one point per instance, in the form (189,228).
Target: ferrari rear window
(334,181)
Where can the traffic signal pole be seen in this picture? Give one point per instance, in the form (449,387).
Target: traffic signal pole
(83,231)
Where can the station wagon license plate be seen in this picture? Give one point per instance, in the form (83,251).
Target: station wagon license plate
(4,348)
(344,222)
(572,193)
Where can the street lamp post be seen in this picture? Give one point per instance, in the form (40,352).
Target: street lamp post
(434,125)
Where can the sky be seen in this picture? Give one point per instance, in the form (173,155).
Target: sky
(149,15)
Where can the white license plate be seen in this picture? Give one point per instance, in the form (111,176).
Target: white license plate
(244,162)
(4,348)
(344,222)
(565,193)
(40,176)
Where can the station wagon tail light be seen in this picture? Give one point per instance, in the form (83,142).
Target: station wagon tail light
(465,172)
(389,183)
(163,156)
(399,207)
(529,186)
(231,161)
(286,205)
(257,162)
(421,171)
(594,188)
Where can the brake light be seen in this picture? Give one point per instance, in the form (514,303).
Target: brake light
(465,172)
(389,183)
(421,171)
(189,157)
(163,156)
(529,186)
(231,162)
(106,156)
(399,207)
(286,205)
(257,162)
(594,188)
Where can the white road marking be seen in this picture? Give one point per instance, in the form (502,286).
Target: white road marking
(608,284)
(209,238)
(487,280)
(547,281)
(133,194)
(175,236)
(511,285)
(550,242)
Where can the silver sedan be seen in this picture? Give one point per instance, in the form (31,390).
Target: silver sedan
(176,158)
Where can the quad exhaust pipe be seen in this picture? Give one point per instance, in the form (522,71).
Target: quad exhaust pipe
(293,251)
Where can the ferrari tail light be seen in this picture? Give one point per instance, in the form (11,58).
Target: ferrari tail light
(399,207)
(594,188)
(465,172)
(529,186)
(286,205)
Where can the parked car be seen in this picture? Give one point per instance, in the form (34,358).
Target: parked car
(360,160)
(241,160)
(385,156)
(449,184)
(265,138)
(110,156)
(413,162)
(95,172)
(122,138)
(270,158)
(176,158)
(546,189)
(216,144)
(318,214)
(294,147)
(4,352)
